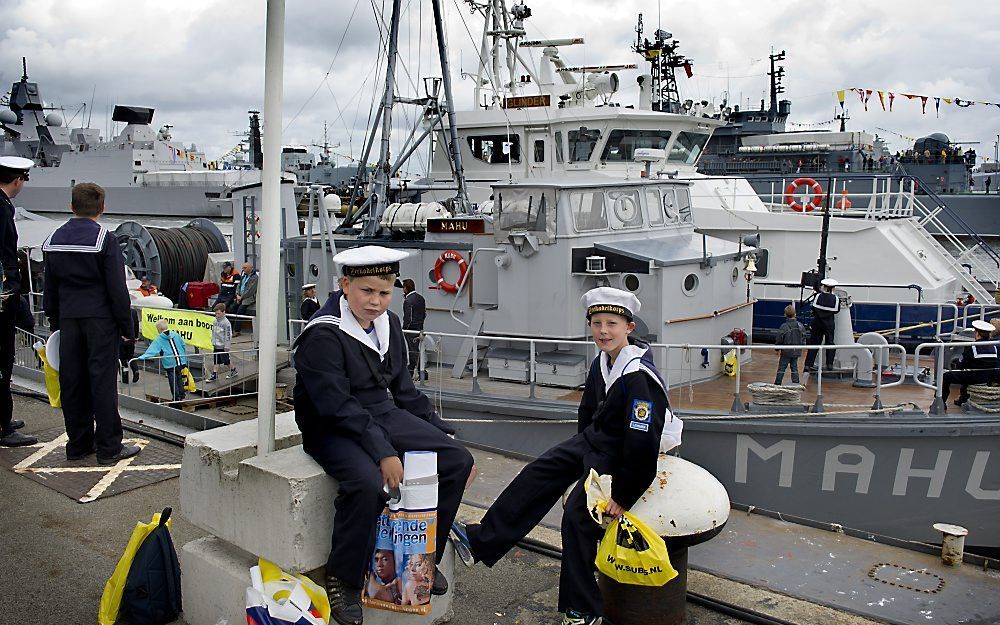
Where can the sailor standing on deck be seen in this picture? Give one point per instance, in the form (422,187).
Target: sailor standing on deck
(978,365)
(309,304)
(87,301)
(824,310)
(624,422)
(359,412)
(13,175)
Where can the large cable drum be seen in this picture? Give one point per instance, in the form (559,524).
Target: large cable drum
(170,257)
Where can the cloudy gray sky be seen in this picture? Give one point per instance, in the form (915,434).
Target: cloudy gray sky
(200,62)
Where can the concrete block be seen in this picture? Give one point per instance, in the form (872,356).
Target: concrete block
(215,576)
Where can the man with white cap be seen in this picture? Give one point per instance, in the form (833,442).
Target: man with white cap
(359,412)
(309,304)
(624,422)
(825,307)
(978,365)
(13,175)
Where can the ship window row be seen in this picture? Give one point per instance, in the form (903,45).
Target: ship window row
(582,143)
(620,209)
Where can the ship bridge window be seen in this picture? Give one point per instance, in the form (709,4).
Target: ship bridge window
(676,205)
(589,212)
(582,143)
(496,149)
(532,210)
(559,147)
(625,209)
(653,212)
(622,144)
(688,147)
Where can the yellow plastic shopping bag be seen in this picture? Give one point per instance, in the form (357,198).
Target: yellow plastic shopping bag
(112,598)
(189,384)
(631,553)
(52,387)
(731,364)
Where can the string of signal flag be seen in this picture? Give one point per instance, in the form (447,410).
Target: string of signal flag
(889,97)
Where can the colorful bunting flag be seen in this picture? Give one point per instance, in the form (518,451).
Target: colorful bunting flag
(840,98)
(937,107)
(892,96)
(881,99)
(923,104)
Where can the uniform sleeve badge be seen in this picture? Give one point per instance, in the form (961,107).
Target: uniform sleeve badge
(641,412)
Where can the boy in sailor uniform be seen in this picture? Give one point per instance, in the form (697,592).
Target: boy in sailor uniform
(358,411)
(824,310)
(978,365)
(87,301)
(620,421)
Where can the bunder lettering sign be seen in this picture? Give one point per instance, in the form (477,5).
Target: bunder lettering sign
(194,327)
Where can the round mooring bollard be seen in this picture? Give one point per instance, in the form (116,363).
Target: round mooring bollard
(685,505)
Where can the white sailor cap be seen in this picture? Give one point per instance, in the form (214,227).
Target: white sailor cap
(311,285)
(983,326)
(606,299)
(369,260)
(16,163)
(829,282)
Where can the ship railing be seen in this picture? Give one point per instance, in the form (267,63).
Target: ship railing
(942,354)
(25,353)
(889,197)
(676,362)
(983,312)
(153,384)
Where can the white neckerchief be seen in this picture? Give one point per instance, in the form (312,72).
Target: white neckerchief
(350,325)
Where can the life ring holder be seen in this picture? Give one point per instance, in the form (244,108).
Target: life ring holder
(814,202)
(446,257)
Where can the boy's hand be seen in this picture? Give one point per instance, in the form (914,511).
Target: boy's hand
(392,471)
(613,510)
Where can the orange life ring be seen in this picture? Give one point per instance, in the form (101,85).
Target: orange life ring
(439,264)
(817,194)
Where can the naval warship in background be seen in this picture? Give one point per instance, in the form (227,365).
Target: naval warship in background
(144,171)
(756,145)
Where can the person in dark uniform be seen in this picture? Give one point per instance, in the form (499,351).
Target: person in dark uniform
(825,307)
(414,313)
(359,412)
(620,422)
(86,300)
(978,365)
(309,304)
(13,175)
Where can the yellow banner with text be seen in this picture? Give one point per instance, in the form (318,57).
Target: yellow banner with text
(194,327)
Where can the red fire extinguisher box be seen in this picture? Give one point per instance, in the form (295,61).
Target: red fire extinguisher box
(198,293)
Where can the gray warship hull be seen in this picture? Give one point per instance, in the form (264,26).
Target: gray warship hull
(893,477)
(190,201)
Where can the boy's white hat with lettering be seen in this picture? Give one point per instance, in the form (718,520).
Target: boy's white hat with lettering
(605,299)
(369,260)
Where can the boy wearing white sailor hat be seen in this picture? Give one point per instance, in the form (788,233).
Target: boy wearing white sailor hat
(621,422)
(349,358)
(13,175)
(978,365)
(309,304)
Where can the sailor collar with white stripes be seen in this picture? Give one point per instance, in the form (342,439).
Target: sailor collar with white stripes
(350,326)
(82,246)
(629,360)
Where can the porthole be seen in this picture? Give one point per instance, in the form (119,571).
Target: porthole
(690,284)
(314,270)
(735,277)
(631,282)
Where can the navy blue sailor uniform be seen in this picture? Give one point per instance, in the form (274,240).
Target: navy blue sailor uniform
(86,299)
(8,310)
(356,404)
(977,366)
(620,421)
(824,308)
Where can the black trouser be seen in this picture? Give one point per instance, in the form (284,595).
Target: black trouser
(965,377)
(175,378)
(413,350)
(361,496)
(126,352)
(788,357)
(88,350)
(822,334)
(8,311)
(527,499)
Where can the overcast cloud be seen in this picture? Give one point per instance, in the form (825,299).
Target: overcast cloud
(200,63)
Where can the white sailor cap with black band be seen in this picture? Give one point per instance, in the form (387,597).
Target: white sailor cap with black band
(16,164)
(369,260)
(311,285)
(605,299)
(829,282)
(983,326)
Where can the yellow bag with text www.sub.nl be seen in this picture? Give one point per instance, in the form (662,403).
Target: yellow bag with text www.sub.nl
(631,553)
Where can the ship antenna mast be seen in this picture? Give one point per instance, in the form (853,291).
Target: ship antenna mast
(664,60)
(776,74)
